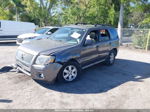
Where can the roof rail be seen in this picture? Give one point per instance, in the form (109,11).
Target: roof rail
(92,24)
(102,25)
(82,23)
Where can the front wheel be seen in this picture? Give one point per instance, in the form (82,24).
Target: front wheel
(111,58)
(69,72)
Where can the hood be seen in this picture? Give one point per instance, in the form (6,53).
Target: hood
(45,46)
(27,35)
(44,36)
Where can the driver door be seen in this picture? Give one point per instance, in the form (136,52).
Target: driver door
(89,52)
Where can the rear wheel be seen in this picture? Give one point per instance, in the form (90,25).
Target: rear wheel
(111,58)
(69,72)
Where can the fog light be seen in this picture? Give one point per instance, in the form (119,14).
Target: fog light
(41,76)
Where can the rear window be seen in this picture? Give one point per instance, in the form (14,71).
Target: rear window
(114,34)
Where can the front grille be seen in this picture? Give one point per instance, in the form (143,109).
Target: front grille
(19,40)
(24,57)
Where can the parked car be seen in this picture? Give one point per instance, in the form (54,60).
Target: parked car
(69,50)
(9,30)
(38,35)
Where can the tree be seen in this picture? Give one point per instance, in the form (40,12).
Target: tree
(51,12)
(5,9)
(90,11)
(139,12)
(11,8)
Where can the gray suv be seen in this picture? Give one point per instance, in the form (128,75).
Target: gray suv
(66,52)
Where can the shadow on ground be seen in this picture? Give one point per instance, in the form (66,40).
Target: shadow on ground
(5,101)
(100,78)
(8,44)
(5,69)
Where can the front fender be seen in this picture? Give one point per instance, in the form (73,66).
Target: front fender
(63,58)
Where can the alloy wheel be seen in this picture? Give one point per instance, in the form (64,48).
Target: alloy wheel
(70,73)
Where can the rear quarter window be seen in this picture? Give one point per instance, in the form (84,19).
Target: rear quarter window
(114,34)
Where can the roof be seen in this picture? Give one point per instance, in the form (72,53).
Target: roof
(50,27)
(88,26)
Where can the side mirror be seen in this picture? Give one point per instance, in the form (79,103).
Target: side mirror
(88,42)
(49,33)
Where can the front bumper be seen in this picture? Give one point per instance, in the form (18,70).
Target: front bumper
(46,73)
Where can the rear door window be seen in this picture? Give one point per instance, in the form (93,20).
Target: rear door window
(104,35)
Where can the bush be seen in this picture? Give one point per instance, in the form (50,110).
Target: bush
(139,39)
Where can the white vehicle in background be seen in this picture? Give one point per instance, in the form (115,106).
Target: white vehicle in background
(9,30)
(42,33)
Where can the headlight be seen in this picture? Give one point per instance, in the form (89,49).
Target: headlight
(43,60)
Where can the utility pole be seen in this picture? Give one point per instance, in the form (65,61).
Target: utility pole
(147,43)
(120,23)
(17,14)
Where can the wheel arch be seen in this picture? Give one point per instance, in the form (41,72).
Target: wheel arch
(68,60)
(115,50)
(73,60)
(59,77)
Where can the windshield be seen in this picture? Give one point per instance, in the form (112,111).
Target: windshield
(68,35)
(42,31)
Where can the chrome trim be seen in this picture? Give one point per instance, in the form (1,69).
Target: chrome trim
(24,71)
(23,65)
(87,66)
(24,55)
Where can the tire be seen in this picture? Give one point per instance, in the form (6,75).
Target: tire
(111,58)
(69,72)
